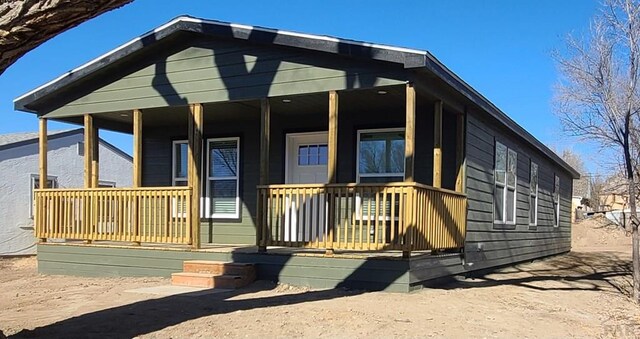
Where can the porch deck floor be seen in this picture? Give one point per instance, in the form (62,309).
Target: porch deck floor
(224,248)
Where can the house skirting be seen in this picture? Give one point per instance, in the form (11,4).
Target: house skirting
(388,273)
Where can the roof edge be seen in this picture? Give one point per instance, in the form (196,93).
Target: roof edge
(448,76)
(410,58)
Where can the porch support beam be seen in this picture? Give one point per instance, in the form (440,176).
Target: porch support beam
(89,179)
(332,165)
(43,153)
(410,134)
(265,140)
(332,147)
(88,150)
(194,168)
(409,161)
(137,167)
(265,144)
(460,149)
(95,158)
(42,170)
(137,148)
(437,144)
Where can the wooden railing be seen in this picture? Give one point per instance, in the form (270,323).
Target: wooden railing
(149,214)
(401,216)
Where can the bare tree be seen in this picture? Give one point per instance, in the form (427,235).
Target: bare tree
(25,24)
(598,94)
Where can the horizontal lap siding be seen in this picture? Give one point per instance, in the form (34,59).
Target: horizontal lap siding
(157,153)
(390,275)
(490,245)
(200,71)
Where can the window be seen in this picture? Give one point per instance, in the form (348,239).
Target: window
(179,163)
(80,146)
(312,155)
(556,201)
(380,155)
(34,184)
(504,197)
(533,194)
(223,200)
(106,184)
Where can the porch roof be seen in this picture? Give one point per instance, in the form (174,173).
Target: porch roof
(421,61)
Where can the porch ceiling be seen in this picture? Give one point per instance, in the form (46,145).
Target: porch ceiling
(389,97)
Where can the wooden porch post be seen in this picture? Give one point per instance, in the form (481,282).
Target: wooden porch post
(42,167)
(89,203)
(137,148)
(95,158)
(410,134)
(409,157)
(88,150)
(437,144)
(265,144)
(460,147)
(332,165)
(137,170)
(194,162)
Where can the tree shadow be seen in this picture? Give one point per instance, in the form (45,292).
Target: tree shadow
(574,271)
(152,315)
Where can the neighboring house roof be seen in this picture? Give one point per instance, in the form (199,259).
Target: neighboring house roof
(24,138)
(408,58)
(12,138)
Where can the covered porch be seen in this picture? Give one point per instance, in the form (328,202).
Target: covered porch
(356,192)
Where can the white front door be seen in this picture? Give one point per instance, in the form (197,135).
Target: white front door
(306,163)
(306,158)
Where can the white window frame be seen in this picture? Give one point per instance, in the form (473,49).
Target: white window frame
(359,200)
(376,175)
(506,187)
(556,199)
(175,179)
(33,178)
(106,184)
(207,199)
(534,194)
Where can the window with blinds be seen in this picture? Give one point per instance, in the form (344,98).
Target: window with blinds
(223,199)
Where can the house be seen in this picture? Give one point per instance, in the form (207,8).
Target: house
(325,162)
(20,176)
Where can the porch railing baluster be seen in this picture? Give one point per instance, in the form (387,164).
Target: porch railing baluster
(387,216)
(106,214)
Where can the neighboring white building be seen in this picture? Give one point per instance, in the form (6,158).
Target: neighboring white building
(19,176)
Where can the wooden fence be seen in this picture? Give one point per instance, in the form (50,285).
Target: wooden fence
(149,214)
(401,216)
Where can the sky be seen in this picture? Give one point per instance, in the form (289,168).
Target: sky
(502,48)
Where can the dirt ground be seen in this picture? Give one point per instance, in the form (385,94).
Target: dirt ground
(581,294)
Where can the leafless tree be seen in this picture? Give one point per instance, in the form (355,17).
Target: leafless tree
(598,97)
(25,24)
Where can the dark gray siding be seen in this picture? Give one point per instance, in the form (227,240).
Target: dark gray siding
(489,244)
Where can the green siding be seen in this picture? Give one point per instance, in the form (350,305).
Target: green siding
(489,245)
(318,272)
(157,143)
(205,70)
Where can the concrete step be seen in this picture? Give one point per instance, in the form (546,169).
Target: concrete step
(208,280)
(220,268)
